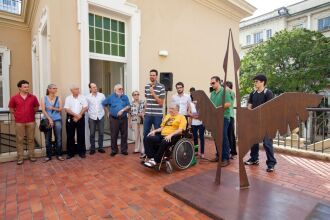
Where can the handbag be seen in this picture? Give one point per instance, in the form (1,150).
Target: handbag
(44,125)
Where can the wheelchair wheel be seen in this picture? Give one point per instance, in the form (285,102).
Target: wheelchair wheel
(182,154)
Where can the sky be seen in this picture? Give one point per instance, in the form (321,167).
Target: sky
(264,6)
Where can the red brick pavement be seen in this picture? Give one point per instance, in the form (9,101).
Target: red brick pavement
(119,187)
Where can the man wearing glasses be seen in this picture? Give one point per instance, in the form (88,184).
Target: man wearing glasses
(259,96)
(216,99)
(118,107)
(159,140)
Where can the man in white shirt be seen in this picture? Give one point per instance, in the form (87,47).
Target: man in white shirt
(96,117)
(181,99)
(75,106)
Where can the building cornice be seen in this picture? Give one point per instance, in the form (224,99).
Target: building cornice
(22,21)
(289,16)
(235,9)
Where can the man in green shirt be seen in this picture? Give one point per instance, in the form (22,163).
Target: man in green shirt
(216,99)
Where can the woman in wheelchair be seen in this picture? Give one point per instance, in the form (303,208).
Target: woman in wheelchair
(159,140)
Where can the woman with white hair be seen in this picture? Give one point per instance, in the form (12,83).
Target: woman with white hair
(135,121)
(51,106)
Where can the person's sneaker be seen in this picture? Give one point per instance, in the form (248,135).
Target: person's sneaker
(150,163)
(91,152)
(60,158)
(270,169)
(113,154)
(124,153)
(224,163)
(102,151)
(233,157)
(46,160)
(143,156)
(82,155)
(20,162)
(251,162)
(33,159)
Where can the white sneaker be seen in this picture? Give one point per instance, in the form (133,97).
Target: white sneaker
(150,163)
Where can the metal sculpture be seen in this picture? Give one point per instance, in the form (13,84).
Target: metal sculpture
(252,125)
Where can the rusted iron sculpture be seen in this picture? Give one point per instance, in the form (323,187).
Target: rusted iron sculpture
(252,125)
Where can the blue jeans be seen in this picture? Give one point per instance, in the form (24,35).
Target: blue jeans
(150,120)
(57,129)
(199,129)
(92,128)
(268,146)
(225,142)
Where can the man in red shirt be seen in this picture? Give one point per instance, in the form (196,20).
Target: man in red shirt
(24,106)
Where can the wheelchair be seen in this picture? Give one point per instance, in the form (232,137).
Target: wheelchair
(179,156)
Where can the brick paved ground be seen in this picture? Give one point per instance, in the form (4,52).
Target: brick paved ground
(120,188)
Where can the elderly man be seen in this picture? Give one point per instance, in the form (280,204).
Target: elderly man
(160,139)
(118,106)
(24,106)
(75,106)
(96,117)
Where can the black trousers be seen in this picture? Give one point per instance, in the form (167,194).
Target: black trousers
(71,128)
(232,137)
(155,146)
(118,125)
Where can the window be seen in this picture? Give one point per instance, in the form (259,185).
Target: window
(257,37)
(1,89)
(4,77)
(106,36)
(269,33)
(11,6)
(324,24)
(248,39)
(298,26)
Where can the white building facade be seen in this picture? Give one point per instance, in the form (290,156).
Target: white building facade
(310,14)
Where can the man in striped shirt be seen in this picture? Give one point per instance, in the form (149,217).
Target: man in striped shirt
(155,95)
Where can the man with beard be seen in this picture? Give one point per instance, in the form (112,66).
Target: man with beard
(155,95)
(119,106)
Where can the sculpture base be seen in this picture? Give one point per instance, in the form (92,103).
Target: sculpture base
(263,200)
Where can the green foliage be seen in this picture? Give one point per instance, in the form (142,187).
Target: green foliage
(297,60)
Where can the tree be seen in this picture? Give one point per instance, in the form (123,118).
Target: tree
(297,60)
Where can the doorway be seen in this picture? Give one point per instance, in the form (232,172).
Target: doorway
(106,74)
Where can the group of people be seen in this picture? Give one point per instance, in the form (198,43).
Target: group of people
(139,115)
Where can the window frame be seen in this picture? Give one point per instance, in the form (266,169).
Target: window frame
(324,19)
(248,39)
(269,33)
(261,39)
(102,41)
(5,59)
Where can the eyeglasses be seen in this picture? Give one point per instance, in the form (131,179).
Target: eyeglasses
(136,94)
(120,88)
(54,88)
